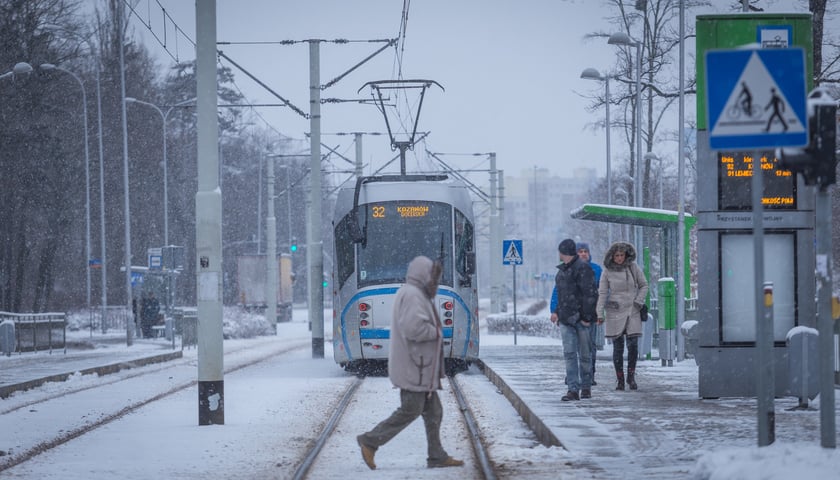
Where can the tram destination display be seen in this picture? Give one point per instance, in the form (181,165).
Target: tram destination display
(735,182)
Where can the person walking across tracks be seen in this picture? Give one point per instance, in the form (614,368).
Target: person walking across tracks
(574,313)
(415,365)
(621,296)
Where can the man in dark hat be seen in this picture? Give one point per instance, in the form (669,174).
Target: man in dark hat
(577,296)
(585,255)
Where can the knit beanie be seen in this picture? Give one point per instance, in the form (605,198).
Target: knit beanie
(583,246)
(568,247)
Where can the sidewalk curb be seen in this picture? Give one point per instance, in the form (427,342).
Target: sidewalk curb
(7,390)
(535,423)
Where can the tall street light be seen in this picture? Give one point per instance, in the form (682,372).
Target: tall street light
(50,67)
(621,38)
(163,118)
(103,256)
(593,74)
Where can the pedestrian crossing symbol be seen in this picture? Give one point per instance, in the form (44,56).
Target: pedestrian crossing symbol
(512,252)
(756,98)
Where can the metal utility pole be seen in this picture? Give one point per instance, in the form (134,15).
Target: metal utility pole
(208,223)
(315,244)
(495,245)
(766,371)
(501,210)
(357,137)
(271,251)
(828,438)
(129,325)
(680,268)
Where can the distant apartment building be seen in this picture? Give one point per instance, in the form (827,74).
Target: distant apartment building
(536,210)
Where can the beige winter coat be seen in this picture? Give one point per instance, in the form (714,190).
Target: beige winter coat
(415,360)
(621,293)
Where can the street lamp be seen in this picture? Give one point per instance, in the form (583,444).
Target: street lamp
(163,117)
(621,38)
(103,255)
(50,67)
(593,74)
(20,68)
(652,157)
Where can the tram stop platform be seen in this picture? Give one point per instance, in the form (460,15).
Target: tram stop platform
(85,354)
(656,432)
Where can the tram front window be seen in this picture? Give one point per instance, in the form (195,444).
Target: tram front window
(399,231)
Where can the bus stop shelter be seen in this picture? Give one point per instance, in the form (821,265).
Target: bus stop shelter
(665,220)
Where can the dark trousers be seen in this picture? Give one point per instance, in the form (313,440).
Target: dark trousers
(412,405)
(632,352)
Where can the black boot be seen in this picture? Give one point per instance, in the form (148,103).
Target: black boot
(631,379)
(620,376)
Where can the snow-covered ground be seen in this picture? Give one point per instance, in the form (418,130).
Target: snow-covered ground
(273,408)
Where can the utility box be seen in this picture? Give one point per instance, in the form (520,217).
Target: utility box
(7,337)
(803,366)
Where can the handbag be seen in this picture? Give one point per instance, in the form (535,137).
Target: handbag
(643,312)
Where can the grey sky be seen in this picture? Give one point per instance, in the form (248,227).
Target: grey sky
(510,69)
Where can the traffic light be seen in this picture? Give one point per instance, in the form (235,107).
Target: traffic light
(816,162)
(293,246)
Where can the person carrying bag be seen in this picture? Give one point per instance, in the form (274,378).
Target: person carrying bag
(621,296)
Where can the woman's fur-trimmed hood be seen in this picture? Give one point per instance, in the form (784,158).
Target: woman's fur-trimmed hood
(629,250)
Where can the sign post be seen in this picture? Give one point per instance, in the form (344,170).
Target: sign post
(512,255)
(756,100)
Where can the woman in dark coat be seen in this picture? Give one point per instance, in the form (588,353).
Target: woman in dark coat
(621,294)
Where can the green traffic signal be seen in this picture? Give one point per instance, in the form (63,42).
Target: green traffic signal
(293,248)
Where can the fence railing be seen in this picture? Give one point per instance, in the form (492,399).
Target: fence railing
(37,331)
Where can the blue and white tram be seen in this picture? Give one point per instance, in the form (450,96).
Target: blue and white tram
(379,227)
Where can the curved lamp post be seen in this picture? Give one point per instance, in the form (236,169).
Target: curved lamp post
(20,68)
(593,74)
(621,38)
(103,253)
(163,117)
(50,67)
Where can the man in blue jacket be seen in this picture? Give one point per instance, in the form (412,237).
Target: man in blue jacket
(574,313)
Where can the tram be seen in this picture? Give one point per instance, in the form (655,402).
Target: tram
(379,227)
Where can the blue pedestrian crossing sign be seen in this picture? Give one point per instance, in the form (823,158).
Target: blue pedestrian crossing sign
(512,252)
(756,98)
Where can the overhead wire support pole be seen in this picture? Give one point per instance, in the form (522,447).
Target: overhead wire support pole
(315,244)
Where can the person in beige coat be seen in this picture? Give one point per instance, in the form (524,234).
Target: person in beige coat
(621,294)
(415,365)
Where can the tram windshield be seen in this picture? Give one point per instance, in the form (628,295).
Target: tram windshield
(397,232)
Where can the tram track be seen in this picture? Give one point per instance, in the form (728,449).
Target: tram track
(239,358)
(341,423)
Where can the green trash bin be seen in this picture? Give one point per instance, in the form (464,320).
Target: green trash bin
(667,320)
(667,303)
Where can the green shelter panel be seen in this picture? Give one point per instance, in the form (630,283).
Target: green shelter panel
(645,217)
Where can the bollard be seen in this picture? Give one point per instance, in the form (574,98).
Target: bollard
(667,319)
(7,337)
(803,366)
